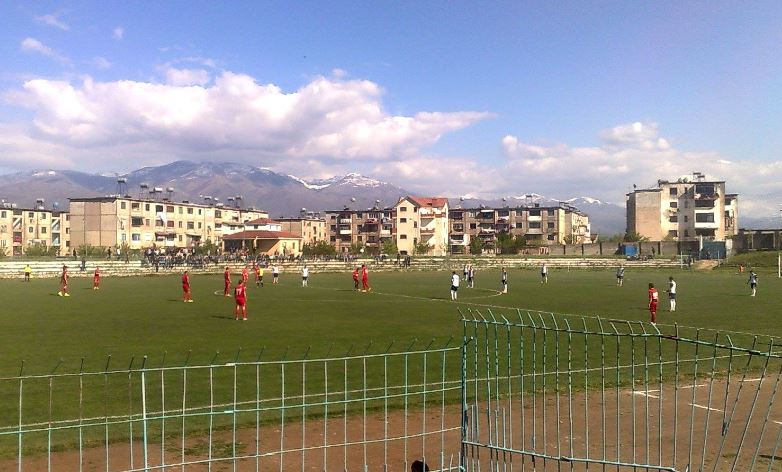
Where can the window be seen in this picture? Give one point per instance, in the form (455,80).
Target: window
(686,233)
(550,212)
(199,225)
(415,224)
(673,191)
(360,238)
(673,233)
(534,225)
(534,213)
(473,225)
(218,214)
(189,225)
(550,225)
(122,205)
(43,230)
(673,219)
(402,236)
(180,238)
(180,224)
(159,208)
(550,237)
(2,214)
(403,220)
(727,214)
(169,208)
(146,207)
(31,215)
(30,229)
(169,224)
(189,211)
(673,205)
(519,225)
(402,208)
(180,210)
(124,237)
(135,237)
(135,221)
(135,206)
(199,211)
(359,215)
(43,216)
(686,218)
(704,217)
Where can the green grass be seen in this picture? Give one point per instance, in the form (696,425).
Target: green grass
(130,318)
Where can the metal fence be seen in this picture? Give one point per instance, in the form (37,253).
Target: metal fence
(531,392)
(551,392)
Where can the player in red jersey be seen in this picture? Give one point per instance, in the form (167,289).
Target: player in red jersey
(64,283)
(240,294)
(227,280)
(245,274)
(355,279)
(365,279)
(187,297)
(653,298)
(96,279)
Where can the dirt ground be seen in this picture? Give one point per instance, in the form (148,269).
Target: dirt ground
(670,428)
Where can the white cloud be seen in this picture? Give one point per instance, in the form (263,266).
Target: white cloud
(100,63)
(185,77)
(52,20)
(232,118)
(118,33)
(32,45)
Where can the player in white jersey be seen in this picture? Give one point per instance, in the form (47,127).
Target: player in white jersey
(620,275)
(672,293)
(305,274)
(543,274)
(454,284)
(753,282)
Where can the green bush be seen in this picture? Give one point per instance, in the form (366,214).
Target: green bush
(41,250)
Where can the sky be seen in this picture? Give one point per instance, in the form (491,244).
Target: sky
(481,99)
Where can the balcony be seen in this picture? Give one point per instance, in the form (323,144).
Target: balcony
(385,232)
(345,231)
(427,231)
(345,221)
(371,221)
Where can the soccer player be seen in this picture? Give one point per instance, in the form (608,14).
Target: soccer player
(355,279)
(365,279)
(275,274)
(504,280)
(672,293)
(96,279)
(653,298)
(245,274)
(258,275)
(466,271)
(305,274)
(227,282)
(240,294)
(27,271)
(470,277)
(187,297)
(753,282)
(64,283)
(620,275)
(543,274)
(454,284)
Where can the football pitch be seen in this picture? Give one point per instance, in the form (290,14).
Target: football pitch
(142,323)
(129,318)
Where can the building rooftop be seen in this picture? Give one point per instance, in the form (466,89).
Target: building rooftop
(253,234)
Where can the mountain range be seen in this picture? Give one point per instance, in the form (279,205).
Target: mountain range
(279,194)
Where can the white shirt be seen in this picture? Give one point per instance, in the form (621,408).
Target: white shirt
(275,270)
(305,272)
(672,286)
(544,269)
(455,280)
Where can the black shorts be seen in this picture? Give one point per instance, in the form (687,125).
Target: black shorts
(275,275)
(454,288)
(672,296)
(304,278)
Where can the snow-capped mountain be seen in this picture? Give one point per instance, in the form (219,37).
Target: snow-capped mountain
(280,194)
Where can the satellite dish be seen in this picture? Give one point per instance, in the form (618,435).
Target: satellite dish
(461,199)
(352,199)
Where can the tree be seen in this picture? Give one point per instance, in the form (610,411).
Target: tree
(476,246)
(41,250)
(356,248)
(570,239)
(508,244)
(422,249)
(320,248)
(390,248)
(633,237)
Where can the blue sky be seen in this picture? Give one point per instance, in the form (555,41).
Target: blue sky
(480,98)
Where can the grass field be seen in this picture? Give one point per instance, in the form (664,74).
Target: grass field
(130,318)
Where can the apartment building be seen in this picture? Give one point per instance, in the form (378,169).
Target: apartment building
(422,220)
(686,209)
(21,228)
(311,229)
(263,236)
(369,228)
(539,225)
(142,223)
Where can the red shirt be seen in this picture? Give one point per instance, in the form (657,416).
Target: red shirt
(245,275)
(64,277)
(97,273)
(186,280)
(653,296)
(355,274)
(227,276)
(364,275)
(239,292)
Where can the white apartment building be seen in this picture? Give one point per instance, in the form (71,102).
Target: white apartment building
(422,220)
